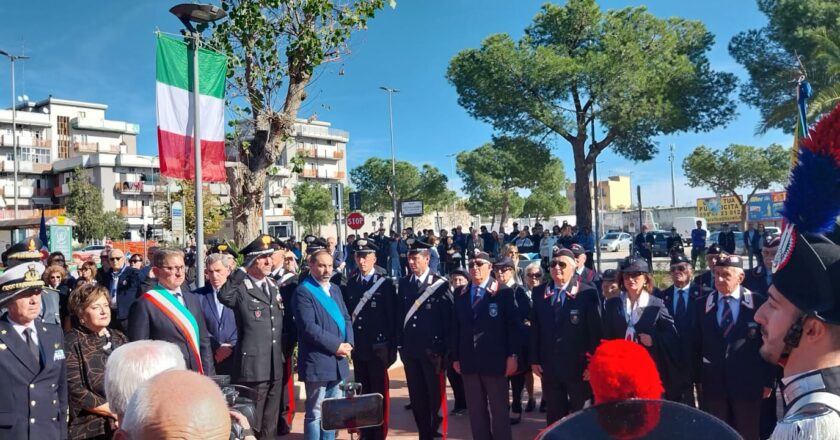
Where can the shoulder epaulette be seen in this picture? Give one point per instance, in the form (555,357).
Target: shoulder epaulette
(812,421)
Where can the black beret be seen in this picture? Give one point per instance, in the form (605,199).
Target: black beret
(679,258)
(558,251)
(610,274)
(726,260)
(714,249)
(577,249)
(504,262)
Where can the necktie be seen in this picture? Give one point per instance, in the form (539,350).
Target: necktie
(557,293)
(726,321)
(266,292)
(33,347)
(179,297)
(476,296)
(114,281)
(680,311)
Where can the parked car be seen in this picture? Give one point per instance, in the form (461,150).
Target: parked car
(739,241)
(89,252)
(774,231)
(660,243)
(616,241)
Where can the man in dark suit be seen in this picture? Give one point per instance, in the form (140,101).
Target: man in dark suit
(643,245)
(219,318)
(123,282)
(33,374)
(426,319)
(259,309)
(372,301)
(586,274)
(681,299)
(705,282)
(170,313)
(285,275)
(760,277)
(326,338)
(726,239)
(565,329)
(726,342)
(485,348)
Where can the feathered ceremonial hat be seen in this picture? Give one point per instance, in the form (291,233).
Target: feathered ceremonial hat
(806,269)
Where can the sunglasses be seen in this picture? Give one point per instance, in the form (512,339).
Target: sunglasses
(679,268)
(560,264)
(534,275)
(476,263)
(632,274)
(116,258)
(136,261)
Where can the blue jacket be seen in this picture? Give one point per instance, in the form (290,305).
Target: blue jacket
(485,335)
(222,331)
(29,391)
(128,289)
(319,337)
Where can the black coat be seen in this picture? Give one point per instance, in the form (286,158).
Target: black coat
(28,391)
(484,336)
(287,286)
(704,283)
(376,327)
(428,330)
(562,336)
(259,322)
(730,370)
(755,279)
(146,321)
(128,289)
(656,322)
(726,240)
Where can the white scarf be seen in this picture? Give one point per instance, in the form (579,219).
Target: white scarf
(633,312)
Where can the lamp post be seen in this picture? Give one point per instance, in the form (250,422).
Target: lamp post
(452,163)
(673,188)
(189,13)
(14,58)
(391,92)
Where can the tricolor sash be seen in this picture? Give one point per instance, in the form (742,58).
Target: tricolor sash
(180,316)
(328,303)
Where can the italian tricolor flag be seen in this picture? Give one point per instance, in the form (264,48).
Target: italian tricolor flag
(174,111)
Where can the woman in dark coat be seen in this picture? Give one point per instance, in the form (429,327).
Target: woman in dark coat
(88,345)
(636,315)
(506,274)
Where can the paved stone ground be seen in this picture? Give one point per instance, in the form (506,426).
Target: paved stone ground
(402,422)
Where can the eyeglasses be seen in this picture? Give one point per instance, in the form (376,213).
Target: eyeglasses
(476,263)
(632,274)
(103,256)
(679,268)
(173,268)
(534,275)
(560,264)
(136,261)
(116,258)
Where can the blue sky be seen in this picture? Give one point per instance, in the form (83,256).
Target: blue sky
(104,52)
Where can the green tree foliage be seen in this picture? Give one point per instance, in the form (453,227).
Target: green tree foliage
(636,75)
(548,198)
(794,27)
(274,47)
(215,212)
(84,206)
(737,167)
(373,180)
(495,172)
(313,206)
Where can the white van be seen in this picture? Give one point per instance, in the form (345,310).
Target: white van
(685,225)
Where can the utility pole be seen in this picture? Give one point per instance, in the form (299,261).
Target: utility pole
(597,203)
(14,58)
(391,92)
(673,188)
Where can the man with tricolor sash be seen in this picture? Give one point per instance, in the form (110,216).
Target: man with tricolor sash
(259,310)
(168,313)
(426,320)
(371,298)
(325,339)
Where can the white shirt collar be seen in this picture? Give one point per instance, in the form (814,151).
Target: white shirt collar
(422,278)
(368,275)
(19,328)
(736,295)
(258,283)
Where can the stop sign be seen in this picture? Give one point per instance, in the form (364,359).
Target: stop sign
(355,220)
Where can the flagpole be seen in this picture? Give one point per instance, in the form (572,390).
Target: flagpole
(199,209)
(199,13)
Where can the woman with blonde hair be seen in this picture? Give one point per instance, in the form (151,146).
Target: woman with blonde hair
(54,296)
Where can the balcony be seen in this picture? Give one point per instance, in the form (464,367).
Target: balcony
(8,166)
(105,125)
(127,187)
(43,192)
(24,141)
(131,212)
(24,192)
(96,147)
(323,173)
(321,153)
(9,213)
(321,132)
(61,190)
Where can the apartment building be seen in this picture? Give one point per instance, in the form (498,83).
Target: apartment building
(56,136)
(614,193)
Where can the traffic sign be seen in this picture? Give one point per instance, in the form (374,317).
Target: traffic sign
(355,200)
(355,220)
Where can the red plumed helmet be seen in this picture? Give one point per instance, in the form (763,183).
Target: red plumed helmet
(621,370)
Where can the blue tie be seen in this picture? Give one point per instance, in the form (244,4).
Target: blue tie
(476,296)
(680,311)
(727,323)
(558,292)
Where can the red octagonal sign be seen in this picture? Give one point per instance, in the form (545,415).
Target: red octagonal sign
(355,220)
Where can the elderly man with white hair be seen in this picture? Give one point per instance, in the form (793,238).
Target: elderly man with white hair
(179,404)
(132,364)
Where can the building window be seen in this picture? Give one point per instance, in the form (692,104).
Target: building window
(81,114)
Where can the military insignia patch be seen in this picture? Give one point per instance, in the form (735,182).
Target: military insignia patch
(58,355)
(752,330)
(31,274)
(3,346)
(266,241)
(493,309)
(257,313)
(574,317)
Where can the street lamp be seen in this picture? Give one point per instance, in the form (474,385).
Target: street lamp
(391,92)
(189,13)
(14,58)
